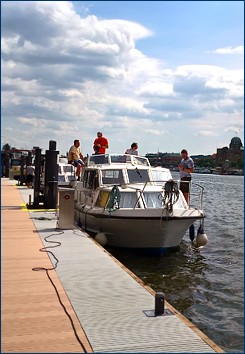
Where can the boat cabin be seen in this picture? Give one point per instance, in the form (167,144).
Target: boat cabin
(138,182)
(122,170)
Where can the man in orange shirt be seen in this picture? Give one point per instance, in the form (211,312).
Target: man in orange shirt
(100,144)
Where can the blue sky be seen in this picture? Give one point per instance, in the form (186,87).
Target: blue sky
(166,74)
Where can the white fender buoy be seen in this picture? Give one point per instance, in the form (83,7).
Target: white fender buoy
(201,240)
(101,238)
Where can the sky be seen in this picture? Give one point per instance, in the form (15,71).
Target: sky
(165,74)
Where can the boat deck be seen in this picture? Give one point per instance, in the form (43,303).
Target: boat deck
(106,301)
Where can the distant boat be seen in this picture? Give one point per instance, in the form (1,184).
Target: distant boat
(133,204)
(66,173)
(204,170)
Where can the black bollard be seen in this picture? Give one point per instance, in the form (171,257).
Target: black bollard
(22,165)
(159,303)
(52,145)
(51,177)
(6,169)
(37,178)
(28,159)
(51,195)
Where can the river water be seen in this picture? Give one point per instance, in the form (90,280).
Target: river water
(206,285)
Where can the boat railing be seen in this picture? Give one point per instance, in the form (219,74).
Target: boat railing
(196,195)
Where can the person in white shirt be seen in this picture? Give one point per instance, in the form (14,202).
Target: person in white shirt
(186,167)
(30,171)
(133,150)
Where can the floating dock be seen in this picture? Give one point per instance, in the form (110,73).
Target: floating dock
(108,305)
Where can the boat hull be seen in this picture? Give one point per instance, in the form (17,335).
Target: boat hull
(132,230)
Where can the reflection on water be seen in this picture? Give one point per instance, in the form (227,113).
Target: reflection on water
(206,285)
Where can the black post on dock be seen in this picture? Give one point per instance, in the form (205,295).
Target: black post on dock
(6,169)
(37,178)
(159,303)
(29,159)
(51,177)
(22,165)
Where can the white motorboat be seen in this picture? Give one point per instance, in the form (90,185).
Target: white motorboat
(132,204)
(66,173)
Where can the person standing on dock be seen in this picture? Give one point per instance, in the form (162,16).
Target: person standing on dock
(100,144)
(186,167)
(30,171)
(75,157)
(133,150)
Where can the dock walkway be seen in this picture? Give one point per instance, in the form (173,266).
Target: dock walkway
(32,318)
(107,298)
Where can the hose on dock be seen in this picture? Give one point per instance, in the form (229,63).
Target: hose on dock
(36,269)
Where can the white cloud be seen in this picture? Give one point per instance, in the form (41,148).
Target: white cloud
(66,75)
(37,123)
(154,132)
(206,133)
(232,129)
(230,50)
(156,89)
(129,28)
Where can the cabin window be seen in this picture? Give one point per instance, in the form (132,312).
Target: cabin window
(138,176)
(61,178)
(112,177)
(15,162)
(103,199)
(153,199)
(68,169)
(90,179)
(159,177)
(128,200)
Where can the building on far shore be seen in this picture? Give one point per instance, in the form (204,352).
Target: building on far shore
(228,160)
(164,159)
(231,157)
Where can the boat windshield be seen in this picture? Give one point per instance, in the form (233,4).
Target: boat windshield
(120,158)
(112,177)
(129,200)
(138,160)
(138,176)
(160,176)
(98,159)
(117,158)
(153,199)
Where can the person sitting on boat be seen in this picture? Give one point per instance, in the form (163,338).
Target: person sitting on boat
(186,167)
(100,144)
(133,150)
(75,157)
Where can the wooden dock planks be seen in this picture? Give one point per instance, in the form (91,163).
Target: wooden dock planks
(32,317)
